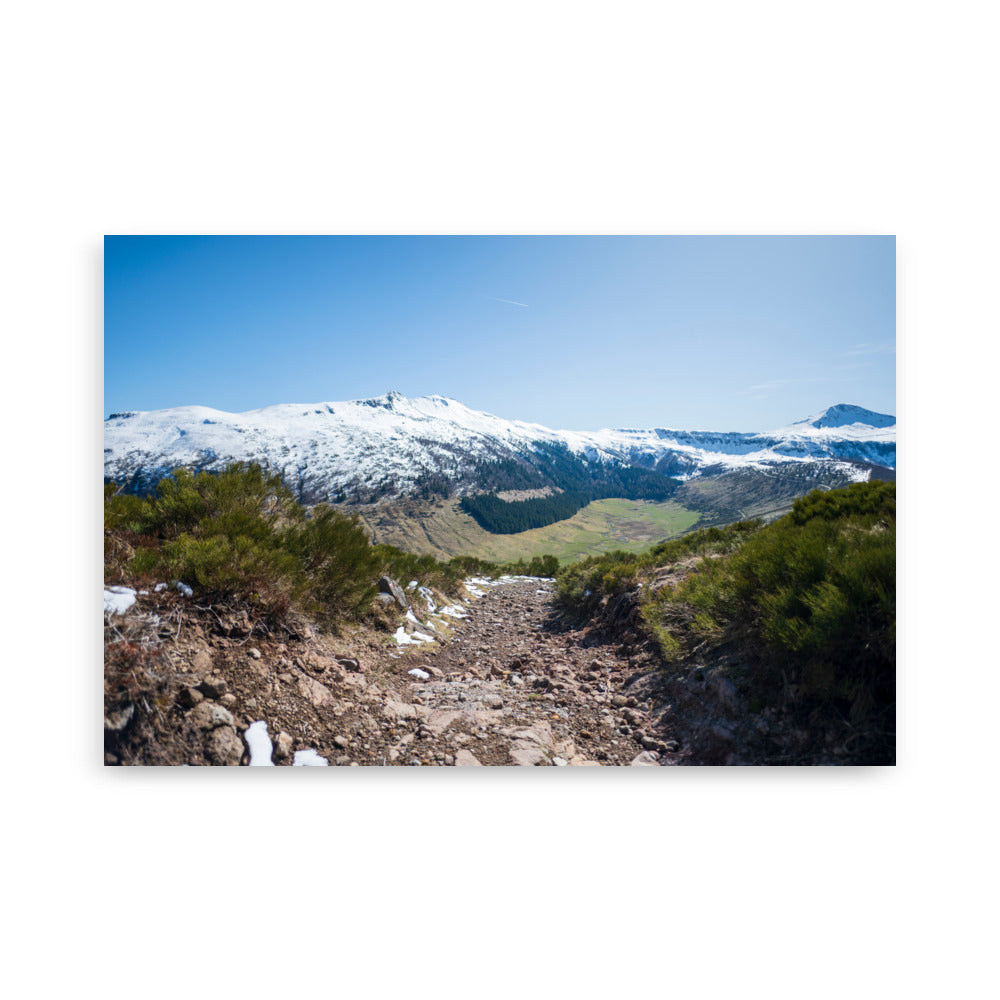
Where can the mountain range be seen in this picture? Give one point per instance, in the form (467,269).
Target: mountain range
(393,446)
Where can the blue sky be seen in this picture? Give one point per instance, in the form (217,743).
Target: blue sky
(723,333)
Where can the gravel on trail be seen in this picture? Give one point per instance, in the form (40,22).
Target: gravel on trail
(517,683)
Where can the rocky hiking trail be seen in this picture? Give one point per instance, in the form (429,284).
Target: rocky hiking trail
(513,681)
(517,684)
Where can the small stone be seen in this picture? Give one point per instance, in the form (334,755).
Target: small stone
(189,697)
(110,760)
(283,747)
(223,747)
(206,715)
(228,700)
(647,758)
(465,758)
(254,652)
(559,762)
(213,687)
(342,741)
(201,662)
(351,665)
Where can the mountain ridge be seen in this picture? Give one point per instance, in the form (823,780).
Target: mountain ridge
(397,445)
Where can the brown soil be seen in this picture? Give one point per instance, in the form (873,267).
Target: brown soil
(514,683)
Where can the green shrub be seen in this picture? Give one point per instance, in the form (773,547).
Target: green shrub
(241,535)
(337,564)
(816,588)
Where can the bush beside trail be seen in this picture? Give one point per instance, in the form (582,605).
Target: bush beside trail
(808,602)
(240,535)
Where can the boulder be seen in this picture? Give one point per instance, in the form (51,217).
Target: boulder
(387,585)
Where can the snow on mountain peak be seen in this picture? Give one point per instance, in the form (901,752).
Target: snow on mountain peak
(327,448)
(845,414)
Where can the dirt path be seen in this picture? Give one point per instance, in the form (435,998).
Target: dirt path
(517,685)
(514,684)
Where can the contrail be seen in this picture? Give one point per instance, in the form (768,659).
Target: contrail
(510,302)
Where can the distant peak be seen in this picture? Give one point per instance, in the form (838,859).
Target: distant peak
(389,401)
(844,414)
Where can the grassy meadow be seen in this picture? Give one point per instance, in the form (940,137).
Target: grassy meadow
(442,530)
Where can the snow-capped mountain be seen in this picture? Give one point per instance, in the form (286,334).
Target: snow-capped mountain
(343,450)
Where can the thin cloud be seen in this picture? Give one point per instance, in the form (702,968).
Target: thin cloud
(861,349)
(509,302)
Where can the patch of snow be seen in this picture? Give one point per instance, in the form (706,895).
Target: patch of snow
(159,587)
(260,745)
(185,590)
(309,758)
(413,584)
(117,600)
(419,674)
(454,611)
(350,443)
(413,639)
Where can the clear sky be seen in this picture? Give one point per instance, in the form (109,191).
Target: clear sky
(579,333)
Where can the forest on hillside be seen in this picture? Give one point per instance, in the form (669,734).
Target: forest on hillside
(555,465)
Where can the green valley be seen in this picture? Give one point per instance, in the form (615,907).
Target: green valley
(440,528)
